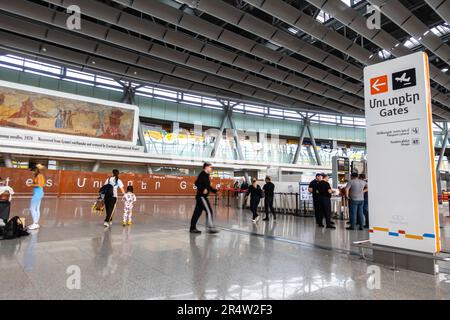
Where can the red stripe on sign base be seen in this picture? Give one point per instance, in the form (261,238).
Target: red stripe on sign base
(401,231)
(370,230)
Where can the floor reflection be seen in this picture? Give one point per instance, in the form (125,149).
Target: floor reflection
(156,258)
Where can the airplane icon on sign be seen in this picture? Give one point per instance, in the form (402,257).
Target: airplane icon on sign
(404,79)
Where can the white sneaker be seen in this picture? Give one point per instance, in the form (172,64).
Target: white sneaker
(254,220)
(34,226)
(257,218)
(106,224)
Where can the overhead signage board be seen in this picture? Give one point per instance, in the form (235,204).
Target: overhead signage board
(31,116)
(402,186)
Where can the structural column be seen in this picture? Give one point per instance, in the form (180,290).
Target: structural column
(238,143)
(229,115)
(96,166)
(129,93)
(313,142)
(443,147)
(236,137)
(307,126)
(220,133)
(441,156)
(7,159)
(300,142)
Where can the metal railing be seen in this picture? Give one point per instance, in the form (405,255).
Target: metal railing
(283,203)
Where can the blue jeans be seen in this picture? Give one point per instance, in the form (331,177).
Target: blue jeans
(35,205)
(366,212)
(357,206)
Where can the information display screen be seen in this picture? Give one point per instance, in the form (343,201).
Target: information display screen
(343,164)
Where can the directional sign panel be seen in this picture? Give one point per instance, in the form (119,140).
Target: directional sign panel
(378,85)
(402,184)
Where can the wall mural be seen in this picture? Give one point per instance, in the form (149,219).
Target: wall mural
(27,110)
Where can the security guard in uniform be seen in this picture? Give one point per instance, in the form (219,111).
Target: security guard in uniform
(203,184)
(312,188)
(325,191)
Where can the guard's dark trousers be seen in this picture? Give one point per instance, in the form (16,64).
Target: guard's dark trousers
(317,211)
(268,204)
(325,209)
(201,204)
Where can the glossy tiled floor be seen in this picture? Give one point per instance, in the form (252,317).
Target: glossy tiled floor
(157,258)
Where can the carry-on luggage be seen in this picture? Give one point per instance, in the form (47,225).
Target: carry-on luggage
(14,228)
(99,206)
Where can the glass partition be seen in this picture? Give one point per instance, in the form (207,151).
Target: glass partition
(188,144)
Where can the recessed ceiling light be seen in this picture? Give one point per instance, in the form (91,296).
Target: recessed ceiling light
(444,70)
(44,49)
(93,62)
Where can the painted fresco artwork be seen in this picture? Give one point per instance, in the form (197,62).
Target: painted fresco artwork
(40,112)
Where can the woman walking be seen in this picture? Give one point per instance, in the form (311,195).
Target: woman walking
(38,193)
(111,199)
(256,194)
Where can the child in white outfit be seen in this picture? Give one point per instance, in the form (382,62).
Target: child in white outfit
(129,199)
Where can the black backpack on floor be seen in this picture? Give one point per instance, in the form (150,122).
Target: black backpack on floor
(14,229)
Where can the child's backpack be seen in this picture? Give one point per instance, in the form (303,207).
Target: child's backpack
(107,191)
(14,229)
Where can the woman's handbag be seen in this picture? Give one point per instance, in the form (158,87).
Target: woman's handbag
(261,192)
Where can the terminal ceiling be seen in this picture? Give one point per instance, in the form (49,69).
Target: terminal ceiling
(306,55)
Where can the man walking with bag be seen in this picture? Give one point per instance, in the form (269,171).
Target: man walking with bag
(203,184)
(269,189)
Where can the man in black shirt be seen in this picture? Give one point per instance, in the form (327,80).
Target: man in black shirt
(244,185)
(203,184)
(312,188)
(269,189)
(324,190)
(244,188)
